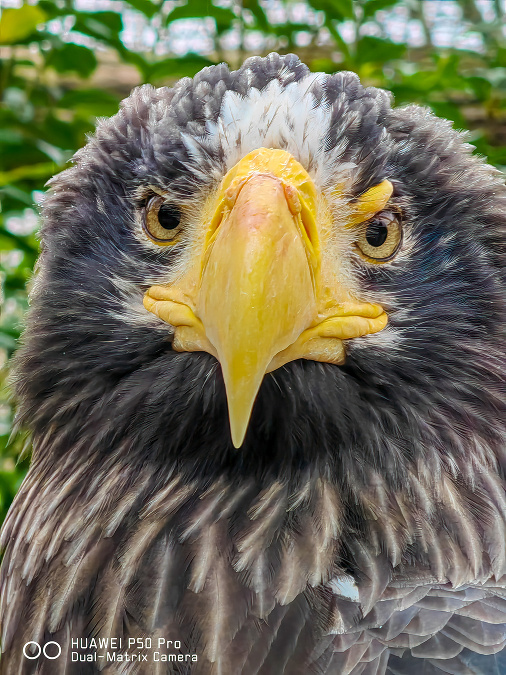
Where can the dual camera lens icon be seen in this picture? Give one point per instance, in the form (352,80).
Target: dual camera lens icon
(32,650)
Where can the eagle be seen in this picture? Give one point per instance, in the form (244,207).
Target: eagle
(263,372)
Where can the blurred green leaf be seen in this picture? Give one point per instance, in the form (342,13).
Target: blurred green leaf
(176,68)
(136,60)
(449,111)
(257,11)
(17,194)
(375,50)
(500,57)
(335,9)
(103,26)
(7,341)
(72,58)
(39,171)
(373,6)
(53,9)
(17,24)
(200,9)
(147,7)
(11,240)
(481,87)
(323,65)
(89,102)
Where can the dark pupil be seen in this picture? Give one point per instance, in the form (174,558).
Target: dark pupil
(376,233)
(168,216)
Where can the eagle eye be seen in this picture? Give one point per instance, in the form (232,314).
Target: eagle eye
(161,221)
(380,237)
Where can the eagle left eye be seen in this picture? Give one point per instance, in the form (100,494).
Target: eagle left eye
(161,221)
(380,237)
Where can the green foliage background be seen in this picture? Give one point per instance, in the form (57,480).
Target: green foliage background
(61,66)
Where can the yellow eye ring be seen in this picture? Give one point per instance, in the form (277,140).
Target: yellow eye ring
(380,237)
(161,221)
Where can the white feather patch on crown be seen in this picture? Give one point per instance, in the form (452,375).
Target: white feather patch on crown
(279,116)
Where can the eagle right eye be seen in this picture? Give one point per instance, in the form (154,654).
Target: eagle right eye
(161,221)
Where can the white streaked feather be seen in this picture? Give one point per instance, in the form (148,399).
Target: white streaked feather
(278,116)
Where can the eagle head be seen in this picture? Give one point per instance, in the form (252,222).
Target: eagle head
(280,248)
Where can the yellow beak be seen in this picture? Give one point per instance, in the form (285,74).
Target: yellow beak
(253,300)
(257,293)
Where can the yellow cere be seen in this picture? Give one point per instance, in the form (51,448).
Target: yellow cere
(369,203)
